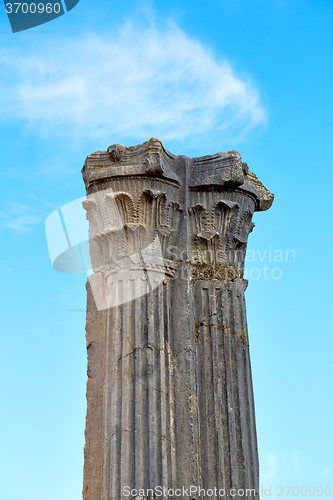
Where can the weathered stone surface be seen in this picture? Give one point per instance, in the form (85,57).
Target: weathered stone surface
(170,400)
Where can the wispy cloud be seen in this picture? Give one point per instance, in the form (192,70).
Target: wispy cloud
(20,217)
(269,468)
(294,458)
(130,81)
(283,464)
(328,470)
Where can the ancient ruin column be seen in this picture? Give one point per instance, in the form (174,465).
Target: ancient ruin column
(170,399)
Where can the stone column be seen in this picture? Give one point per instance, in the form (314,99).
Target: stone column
(170,400)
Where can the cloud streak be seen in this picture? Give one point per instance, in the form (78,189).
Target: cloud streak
(20,217)
(328,470)
(270,468)
(133,82)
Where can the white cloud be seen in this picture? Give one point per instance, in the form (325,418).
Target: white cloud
(295,457)
(20,217)
(268,468)
(141,82)
(328,470)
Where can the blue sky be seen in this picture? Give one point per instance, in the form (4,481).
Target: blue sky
(256,76)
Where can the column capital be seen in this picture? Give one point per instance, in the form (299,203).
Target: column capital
(201,207)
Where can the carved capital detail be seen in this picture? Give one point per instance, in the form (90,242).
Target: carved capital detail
(122,228)
(220,232)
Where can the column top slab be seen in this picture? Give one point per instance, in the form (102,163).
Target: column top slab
(217,171)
